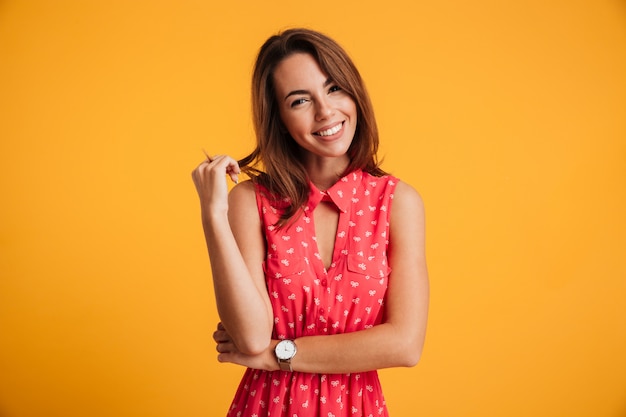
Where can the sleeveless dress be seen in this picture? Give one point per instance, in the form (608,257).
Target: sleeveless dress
(309,300)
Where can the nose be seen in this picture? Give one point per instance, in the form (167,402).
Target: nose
(324,109)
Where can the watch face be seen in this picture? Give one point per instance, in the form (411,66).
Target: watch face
(285,349)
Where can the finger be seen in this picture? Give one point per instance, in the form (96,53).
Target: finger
(230,357)
(217,158)
(221,336)
(234,171)
(225,347)
(197,171)
(206,167)
(230,166)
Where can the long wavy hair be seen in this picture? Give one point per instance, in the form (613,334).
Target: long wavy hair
(275,163)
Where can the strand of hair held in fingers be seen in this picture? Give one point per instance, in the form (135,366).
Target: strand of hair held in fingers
(207,155)
(232,176)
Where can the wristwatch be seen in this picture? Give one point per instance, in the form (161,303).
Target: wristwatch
(285,350)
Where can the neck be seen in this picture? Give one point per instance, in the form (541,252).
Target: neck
(325,172)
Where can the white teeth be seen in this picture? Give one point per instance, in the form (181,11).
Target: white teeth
(331,131)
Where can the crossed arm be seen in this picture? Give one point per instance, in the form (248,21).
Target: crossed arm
(237,249)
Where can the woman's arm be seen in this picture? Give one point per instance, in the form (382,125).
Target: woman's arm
(236,249)
(398,341)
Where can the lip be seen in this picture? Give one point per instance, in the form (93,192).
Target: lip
(330,126)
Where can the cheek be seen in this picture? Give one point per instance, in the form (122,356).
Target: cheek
(349,107)
(354,110)
(294,124)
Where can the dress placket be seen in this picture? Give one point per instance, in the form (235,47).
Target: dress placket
(325,276)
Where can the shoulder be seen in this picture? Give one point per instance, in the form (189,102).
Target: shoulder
(407,193)
(243,191)
(406,201)
(242,200)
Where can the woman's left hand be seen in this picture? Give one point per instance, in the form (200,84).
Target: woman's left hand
(228,352)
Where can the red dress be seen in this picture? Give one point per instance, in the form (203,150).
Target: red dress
(309,300)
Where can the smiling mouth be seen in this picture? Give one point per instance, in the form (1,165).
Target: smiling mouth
(331,131)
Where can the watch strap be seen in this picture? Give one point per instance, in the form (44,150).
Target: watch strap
(285,365)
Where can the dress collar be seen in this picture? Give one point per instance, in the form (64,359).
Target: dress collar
(340,193)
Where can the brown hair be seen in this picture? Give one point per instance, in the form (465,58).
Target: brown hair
(281,172)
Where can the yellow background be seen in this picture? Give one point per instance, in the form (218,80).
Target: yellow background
(508,117)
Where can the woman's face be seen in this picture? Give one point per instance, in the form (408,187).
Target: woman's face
(319,115)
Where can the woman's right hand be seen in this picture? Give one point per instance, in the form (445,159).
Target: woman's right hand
(208,178)
(228,352)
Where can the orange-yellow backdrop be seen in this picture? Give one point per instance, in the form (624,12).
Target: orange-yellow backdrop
(509,117)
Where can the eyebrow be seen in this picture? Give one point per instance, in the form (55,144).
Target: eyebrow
(302,92)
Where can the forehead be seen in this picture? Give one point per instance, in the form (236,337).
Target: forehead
(299,71)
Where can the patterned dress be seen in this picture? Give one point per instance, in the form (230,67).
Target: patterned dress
(307,299)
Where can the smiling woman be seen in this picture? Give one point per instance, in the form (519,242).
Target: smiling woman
(319,279)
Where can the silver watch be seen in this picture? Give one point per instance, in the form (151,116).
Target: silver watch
(285,350)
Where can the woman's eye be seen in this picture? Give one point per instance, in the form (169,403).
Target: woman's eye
(334,88)
(298,102)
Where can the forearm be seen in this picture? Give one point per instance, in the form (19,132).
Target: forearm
(243,307)
(383,346)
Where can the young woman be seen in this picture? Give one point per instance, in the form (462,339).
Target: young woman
(318,261)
